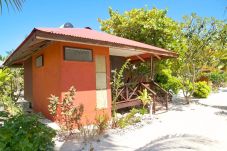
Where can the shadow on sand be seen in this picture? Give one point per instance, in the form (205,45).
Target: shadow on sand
(213,106)
(178,143)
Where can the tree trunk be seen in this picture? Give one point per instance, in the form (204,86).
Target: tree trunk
(187,99)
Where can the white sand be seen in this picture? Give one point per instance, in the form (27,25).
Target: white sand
(200,126)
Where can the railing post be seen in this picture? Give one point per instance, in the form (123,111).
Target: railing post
(152,68)
(153,106)
(126,91)
(167,101)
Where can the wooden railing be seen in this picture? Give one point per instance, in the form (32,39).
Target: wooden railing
(127,95)
(163,96)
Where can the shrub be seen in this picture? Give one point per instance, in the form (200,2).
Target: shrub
(25,132)
(202,90)
(163,76)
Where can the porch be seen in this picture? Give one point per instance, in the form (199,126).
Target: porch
(127,95)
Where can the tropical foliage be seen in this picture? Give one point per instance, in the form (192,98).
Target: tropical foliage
(199,42)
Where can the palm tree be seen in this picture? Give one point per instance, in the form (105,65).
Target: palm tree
(15,4)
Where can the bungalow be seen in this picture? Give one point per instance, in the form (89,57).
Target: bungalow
(54,59)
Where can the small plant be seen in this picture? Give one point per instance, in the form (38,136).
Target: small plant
(117,82)
(88,132)
(25,132)
(129,119)
(202,90)
(143,111)
(70,115)
(144,97)
(122,123)
(140,111)
(101,122)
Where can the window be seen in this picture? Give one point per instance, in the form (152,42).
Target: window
(39,61)
(77,54)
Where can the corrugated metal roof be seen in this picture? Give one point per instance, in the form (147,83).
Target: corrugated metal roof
(89,35)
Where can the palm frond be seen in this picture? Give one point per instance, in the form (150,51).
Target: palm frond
(15,4)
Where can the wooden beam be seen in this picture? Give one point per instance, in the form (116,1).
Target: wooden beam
(157,56)
(30,50)
(120,105)
(140,58)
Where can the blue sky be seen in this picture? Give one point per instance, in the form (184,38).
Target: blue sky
(15,26)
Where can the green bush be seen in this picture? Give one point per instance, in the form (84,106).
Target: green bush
(202,90)
(167,81)
(25,133)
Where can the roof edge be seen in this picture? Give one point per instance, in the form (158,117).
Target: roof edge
(23,42)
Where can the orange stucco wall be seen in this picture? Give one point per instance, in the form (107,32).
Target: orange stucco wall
(58,75)
(28,79)
(46,79)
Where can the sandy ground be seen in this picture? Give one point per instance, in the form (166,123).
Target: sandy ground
(200,126)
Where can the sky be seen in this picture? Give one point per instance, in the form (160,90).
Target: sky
(15,26)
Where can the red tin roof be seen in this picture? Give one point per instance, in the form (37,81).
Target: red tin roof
(97,35)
